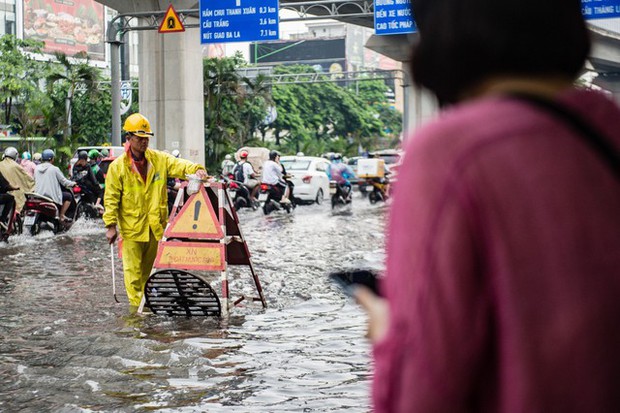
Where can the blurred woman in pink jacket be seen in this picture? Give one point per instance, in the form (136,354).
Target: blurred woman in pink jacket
(503,272)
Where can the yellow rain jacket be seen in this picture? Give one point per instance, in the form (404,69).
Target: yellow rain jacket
(17,176)
(137,206)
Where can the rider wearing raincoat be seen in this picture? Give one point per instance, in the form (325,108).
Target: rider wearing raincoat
(17,176)
(136,201)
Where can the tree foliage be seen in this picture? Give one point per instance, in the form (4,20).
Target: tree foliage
(234,107)
(19,71)
(324,117)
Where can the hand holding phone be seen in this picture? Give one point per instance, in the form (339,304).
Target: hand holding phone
(347,280)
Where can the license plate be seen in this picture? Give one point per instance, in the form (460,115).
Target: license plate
(29,220)
(262,197)
(232,193)
(333,190)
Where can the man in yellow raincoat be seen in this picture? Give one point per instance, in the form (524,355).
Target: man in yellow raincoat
(17,176)
(136,201)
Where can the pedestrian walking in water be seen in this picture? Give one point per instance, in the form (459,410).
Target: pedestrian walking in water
(503,254)
(136,202)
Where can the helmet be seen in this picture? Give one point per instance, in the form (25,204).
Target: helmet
(94,154)
(36,156)
(337,157)
(26,155)
(105,153)
(300,154)
(138,125)
(228,157)
(176,153)
(273,155)
(47,155)
(83,155)
(11,152)
(245,154)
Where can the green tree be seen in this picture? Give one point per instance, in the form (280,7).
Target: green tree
(67,78)
(92,123)
(321,117)
(222,123)
(19,71)
(235,107)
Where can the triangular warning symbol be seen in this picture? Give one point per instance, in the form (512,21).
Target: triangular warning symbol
(171,22)
(196,220)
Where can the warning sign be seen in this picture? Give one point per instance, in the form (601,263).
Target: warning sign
(196,220)
(191,256)
(171,22)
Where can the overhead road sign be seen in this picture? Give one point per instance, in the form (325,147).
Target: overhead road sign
(171,22)
(600,9)
(226,21)
(393,17)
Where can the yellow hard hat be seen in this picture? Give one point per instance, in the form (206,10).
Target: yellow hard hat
(138,125)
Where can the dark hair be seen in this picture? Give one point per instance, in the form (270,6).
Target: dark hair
(463,42)
(273,155)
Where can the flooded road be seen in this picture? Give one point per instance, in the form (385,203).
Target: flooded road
(66,346)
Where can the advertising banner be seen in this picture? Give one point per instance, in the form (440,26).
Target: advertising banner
(67,26)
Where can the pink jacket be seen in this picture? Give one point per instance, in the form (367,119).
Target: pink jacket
(28,166)
(503,270)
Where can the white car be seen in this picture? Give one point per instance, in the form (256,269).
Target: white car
(309,174)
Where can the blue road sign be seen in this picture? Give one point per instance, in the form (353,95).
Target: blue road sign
(225,21)
(393,17)
(600,9)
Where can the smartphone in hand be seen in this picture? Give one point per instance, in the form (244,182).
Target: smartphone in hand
(347,280)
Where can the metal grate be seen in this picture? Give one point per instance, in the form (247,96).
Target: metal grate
(174,292)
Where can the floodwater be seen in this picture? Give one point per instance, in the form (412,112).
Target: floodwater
(66,346)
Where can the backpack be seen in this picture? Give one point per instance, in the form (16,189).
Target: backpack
(238,172)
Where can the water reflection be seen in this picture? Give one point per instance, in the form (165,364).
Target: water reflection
(66,346)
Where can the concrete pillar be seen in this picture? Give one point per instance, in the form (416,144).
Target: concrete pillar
(171,91)
(171,85)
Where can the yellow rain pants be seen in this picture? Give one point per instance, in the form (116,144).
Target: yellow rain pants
(138,259)
(140,209)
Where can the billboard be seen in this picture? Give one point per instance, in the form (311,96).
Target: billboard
(325,55)
(67,26)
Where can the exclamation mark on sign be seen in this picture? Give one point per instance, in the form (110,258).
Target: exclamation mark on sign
(196,213)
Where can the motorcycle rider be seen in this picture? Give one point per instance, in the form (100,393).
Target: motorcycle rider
(340,172)
(27,163)
(84,176)
(7,201)
(16,176)
(273,175)
(36,158)
(227,165)
(49,182)
(95,160)
(136,199)
(244,173)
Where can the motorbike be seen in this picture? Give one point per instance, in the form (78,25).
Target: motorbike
(269,198)
(240,195)
(379,189)
(341,194)
(12,227)
(41,213)
(86,201)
